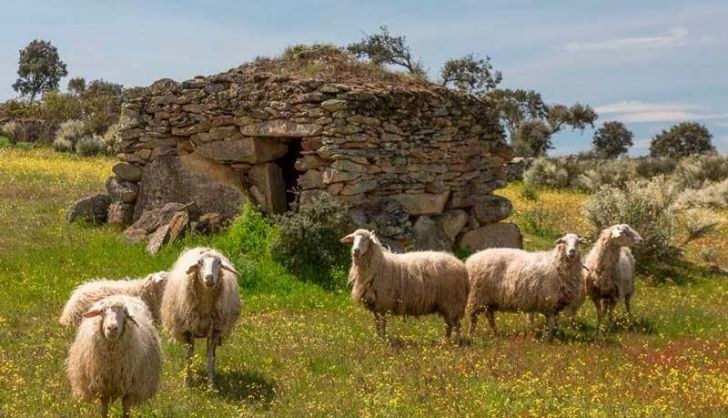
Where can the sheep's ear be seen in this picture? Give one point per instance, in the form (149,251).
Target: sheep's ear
(91,314)
(347,239)
(559,241)
(131,319)
(193,268)
(616,233)
(583,240)
(229,268)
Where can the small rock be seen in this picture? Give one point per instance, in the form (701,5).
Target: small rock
(120,214)
(121,190)
(93,209)
(334,105)
(128,172)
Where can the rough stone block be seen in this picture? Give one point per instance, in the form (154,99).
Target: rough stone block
(423,203)
(268,180)
(498,235)
(245,150)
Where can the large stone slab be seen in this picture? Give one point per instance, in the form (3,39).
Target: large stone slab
(245,150)
(128,172)
(281,128)
(190,178)
(268,187)
(490,209)
(429,236)
(498,235)
(452,222)
(423,203)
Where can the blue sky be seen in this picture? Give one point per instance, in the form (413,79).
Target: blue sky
(648,63)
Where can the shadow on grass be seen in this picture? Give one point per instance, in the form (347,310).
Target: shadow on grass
(240,385)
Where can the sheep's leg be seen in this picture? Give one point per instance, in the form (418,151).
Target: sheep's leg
(610,315)
(188,361)
(126,406)
(104,408)
(551,323)
(600,313)
(490,314)
(628,307)
(211,347)
(456,328)
(381,322)
(473,323)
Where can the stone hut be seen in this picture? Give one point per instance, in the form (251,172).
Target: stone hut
(414,161)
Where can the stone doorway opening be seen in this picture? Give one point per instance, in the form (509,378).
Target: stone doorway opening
(287,164)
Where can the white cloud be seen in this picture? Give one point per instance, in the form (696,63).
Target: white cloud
(635,112)
(675,37)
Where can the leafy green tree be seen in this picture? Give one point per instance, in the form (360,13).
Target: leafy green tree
(612,140)
(40,69)
(681,140)
(470,74)
(384,48)
(519,110)
(532,139)
(76,85)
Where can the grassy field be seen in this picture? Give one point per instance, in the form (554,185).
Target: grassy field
(301,351)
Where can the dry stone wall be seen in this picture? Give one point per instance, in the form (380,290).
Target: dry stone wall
(418,165)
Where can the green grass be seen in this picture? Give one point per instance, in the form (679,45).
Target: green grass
(302,351)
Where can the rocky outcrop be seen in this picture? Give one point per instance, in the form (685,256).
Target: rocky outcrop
(416,162)
(92,209)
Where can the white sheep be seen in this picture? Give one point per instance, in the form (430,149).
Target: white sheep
(201,300)
(416,283)
(149,289)
(116,354)
(609,274)
(513,280)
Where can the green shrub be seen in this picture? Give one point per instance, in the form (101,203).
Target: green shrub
(647,206)
(648,167)
(112,137)
(249,234)
(699,222)
(306,241)
(697,171)
(714,195)
(546,172)
(89,146)
(62,145)
(58,107)
(10,130)
(606,173)
(71,131)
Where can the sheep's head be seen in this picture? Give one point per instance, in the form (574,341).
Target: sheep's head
(158,280)
(569,245)
(113,319)
(624,236)
(361,239)
(207,268)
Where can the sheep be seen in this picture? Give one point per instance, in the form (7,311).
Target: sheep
(610,270)
(149,289)
(201,300)
(513,280)
(416,283)
(116,354)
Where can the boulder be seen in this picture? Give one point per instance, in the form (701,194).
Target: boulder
(128,172)
(213,187)
(422,203)
(209,223)
(429,236)
(245,150)
(122,190)
(152,219)
(93,209)
(498,235)
(280,128)
(270,189)
(120,214)
(452,222)
(490,209)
